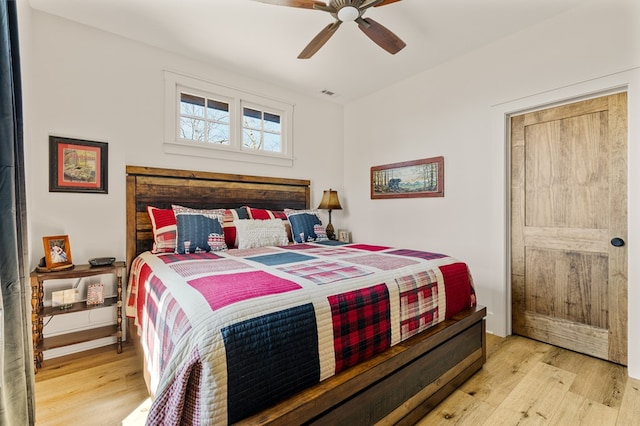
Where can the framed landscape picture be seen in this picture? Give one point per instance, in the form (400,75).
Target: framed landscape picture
(409,179)
(77,165)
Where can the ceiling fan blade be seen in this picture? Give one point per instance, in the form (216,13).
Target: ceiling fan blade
(319,40)
(304,4)
(386,2)
(381,35)
(366,4)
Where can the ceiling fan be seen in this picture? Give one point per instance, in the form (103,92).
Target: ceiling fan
(346,11)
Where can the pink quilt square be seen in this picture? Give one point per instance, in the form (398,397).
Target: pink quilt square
(367,247)
(223,290)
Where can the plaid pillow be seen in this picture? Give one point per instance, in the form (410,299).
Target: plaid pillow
(229,228)
(263,214)
(163,226)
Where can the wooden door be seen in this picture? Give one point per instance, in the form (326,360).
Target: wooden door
(568,202)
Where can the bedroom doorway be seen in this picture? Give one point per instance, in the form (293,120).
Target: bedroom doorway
(569,226)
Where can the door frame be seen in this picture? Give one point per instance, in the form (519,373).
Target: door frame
(501,113)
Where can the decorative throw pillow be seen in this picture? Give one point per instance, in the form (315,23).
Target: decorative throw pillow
(302,223)
(163,226)
(261,233)
(196,229)
(230,234)
(321,233)
(263,214)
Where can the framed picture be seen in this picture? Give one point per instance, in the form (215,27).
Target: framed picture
(344,236)
(418,178)
(57,251)
(77,165)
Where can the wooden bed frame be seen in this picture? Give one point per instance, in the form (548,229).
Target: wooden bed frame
(398,386)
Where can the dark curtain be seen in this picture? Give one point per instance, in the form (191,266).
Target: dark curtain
(16,355)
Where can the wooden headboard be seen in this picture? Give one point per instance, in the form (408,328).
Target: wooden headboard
(163,187)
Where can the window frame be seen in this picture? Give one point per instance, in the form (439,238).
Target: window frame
(176,83)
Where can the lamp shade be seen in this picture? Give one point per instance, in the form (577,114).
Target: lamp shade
(330,200)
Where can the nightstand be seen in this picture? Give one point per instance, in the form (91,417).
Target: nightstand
(39,311)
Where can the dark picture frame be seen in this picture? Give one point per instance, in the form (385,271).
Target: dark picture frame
(77,165)
(57,251)
(409,179)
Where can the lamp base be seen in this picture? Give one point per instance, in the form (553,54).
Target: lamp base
(330,232)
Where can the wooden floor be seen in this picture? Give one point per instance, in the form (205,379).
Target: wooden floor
(523,382)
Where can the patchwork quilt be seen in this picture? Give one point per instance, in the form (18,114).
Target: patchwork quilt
(228,334)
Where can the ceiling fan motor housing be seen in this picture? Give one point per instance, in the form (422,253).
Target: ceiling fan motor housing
(346,10)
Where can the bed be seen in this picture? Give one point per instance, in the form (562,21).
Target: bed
(199,327)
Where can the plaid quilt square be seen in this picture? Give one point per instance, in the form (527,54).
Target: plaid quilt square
(459,287)
(361,324)
(323,272)
(379,261)
(179,407)
(418,302)
(174,257)
(225,289)
(330,251)
(188,269)
(171,327)
(416,253)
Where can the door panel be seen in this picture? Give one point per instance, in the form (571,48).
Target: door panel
(568,200)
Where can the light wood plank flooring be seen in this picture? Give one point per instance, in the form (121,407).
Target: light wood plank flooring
(523,382)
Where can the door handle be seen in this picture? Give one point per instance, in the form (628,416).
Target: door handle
(617,242)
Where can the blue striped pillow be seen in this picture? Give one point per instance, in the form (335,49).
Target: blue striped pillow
(302,223)
(196,229)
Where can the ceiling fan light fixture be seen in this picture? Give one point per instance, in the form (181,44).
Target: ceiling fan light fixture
(348,14)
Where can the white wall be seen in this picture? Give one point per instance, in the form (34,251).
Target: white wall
(458,110)
(88,84)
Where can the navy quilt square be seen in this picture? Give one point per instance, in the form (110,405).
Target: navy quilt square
(270,358)
(281,258)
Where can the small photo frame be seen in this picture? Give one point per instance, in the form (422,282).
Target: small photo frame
(95,294)
(77,165)
(344,236)
(57,251)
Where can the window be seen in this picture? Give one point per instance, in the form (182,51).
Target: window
(261,130)
(205,119)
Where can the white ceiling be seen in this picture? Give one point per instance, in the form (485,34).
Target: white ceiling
(262,41)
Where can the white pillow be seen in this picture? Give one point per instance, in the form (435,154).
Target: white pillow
(260,233)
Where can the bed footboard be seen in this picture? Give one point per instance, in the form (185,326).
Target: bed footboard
(396,387)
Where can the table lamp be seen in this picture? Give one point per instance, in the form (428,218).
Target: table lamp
(330,202)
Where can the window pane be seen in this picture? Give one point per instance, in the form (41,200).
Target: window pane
(252,118)
(218,111)
(272,123)
(191,128)
(191,105)
(272,117)
(272,142)
(219,134)
(251,139)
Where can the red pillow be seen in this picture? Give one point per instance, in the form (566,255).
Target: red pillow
(163,225)
(262,214)
(229,228)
